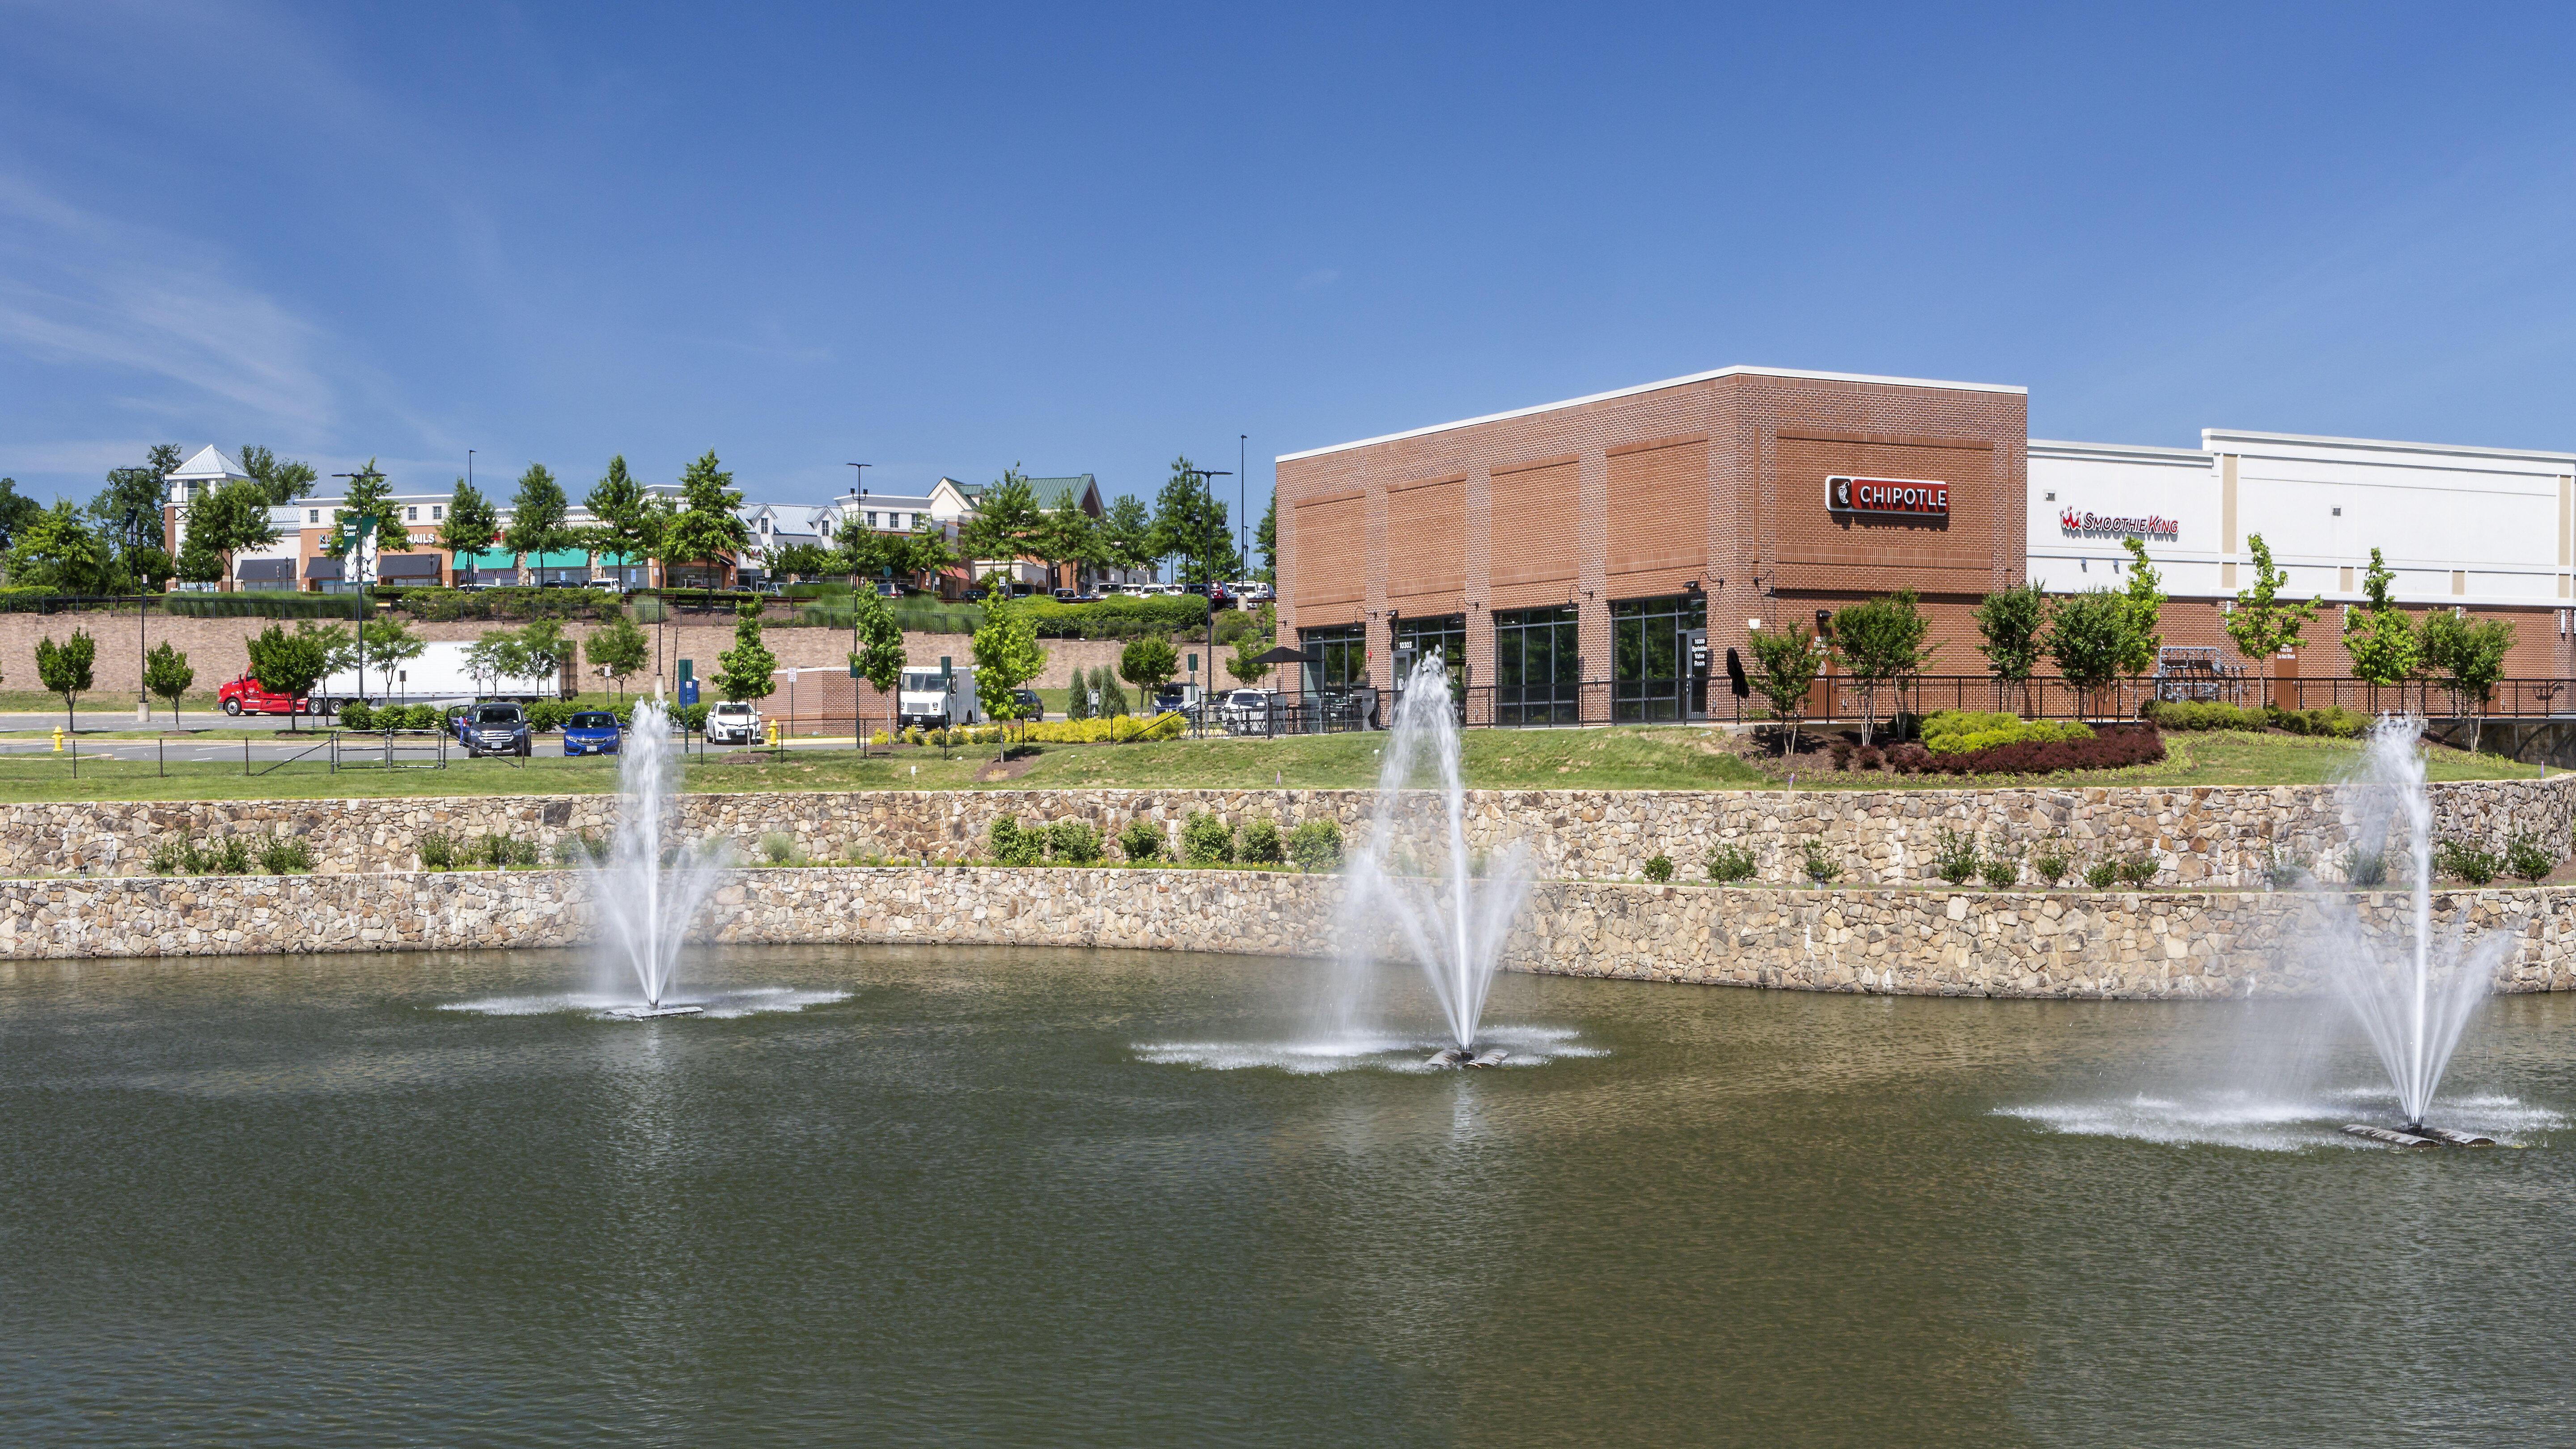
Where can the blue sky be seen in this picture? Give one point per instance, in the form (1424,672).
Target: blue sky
(1084,238)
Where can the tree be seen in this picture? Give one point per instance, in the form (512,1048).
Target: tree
(59,551)
(1113,700)
(1190,525)
(801,560)
(280,480)
(1128,530)
(1881,642)
(129,514)
(2009,624)
(1246,665)
(1148,662)
(1067,535)
(221,523)
(920,553)
(2146,601)
(1077,700)
(2261,624)
(2089,637)
(2382,641)
(707,529)
(617,648)
(542,649)
(472,523)
(537,517)
(746,668)
(1005,523)
(17,511)
(2470,654)
(491,658)
(387,644)
(879,657)
(618,508)
(367,510)
(1785,664)
(1266,538)
(1007,655)
(166,673)
(289,664)
(64,669)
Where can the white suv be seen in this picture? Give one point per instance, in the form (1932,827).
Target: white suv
(734,722)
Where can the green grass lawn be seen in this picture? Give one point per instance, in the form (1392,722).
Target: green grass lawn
(1612,759)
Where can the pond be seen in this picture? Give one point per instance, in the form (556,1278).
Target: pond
(1027,1197)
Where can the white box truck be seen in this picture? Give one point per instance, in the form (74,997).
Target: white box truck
(437,677)
(932,700)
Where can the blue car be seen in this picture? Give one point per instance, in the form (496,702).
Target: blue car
(591,732)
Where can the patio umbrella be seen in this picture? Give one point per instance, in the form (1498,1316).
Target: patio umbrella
(1282,654)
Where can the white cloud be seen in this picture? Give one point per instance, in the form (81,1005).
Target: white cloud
(79,288)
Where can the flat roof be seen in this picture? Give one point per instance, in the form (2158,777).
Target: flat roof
(2211,436)
(1737,370)
(2136,452)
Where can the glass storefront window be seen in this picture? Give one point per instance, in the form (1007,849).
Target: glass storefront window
(1338,657)
(1538,665)
(1445,636)
(1650,661)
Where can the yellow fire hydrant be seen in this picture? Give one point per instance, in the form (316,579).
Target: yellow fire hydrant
(773,734)
(58,739)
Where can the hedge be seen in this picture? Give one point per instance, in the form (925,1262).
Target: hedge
(2177,714)
(2112,747)
(447,606)
(1961,732)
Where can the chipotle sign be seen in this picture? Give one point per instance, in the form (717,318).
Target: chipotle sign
(1914,497)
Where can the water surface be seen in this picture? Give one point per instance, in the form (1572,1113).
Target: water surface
(1039,1198)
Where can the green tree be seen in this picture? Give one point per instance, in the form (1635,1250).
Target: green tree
(1266,538)
(617,648)
(2382,641)
(879,657)
(2146,601)
(64,669)
(2010,624)
(281,481)
(1245,664)
(1881,642)
(59,551)
(746,668)
(1007,655)
(2470,656)
(388,644)
(801,560)
(619,511)
(1067,535)
(1148,662)
(2261,623)
(365,511)
(1128,531)
(222,522)
(1113,700)
(472,523)
(1785,665)
(290,663)
(543,649)
(708,530)
(920,553)
(2089,635)
(1190,525)
(129,515)
(1005,524)
(166,673)
(17,510)
(538,517)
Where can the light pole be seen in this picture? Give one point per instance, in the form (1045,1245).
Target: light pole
(1243,504)
(356,555)
(858,734)
(1203,474)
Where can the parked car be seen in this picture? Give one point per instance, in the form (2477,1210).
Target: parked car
(495,729)
(592,732)
(1030,706)
(733,722)
(1247,710)
(1067,596)
(248,696)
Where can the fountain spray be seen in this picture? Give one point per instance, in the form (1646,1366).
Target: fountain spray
(644,896)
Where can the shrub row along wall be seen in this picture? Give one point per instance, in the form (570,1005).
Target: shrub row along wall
(1921,943)
(2206,835)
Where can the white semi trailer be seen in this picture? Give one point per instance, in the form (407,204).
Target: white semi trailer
(439,676)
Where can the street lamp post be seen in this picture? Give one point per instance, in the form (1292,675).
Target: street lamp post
(858,735)
(357,557)
(1209,688)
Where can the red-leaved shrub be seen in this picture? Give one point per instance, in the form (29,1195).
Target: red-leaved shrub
(2112,747)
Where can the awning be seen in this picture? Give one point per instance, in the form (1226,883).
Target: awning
(265,571)
(486,559)
(571,558)
(1284,655)
(322,568)
(406,566)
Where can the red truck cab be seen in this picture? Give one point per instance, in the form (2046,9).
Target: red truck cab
(248,696)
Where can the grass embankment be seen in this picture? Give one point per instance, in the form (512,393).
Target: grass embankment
(1618,759)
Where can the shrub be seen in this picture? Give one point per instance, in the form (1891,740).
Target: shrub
(232,856)
(1964,732)
(427,717)
(1871,758)
(1074,842)
(693,717)
(499,851)
(1820,864)
(2000,871)
(2365,868)
(1954,856)
(1842,751)
(285,855)
(777,847)
(2050,863)
(1908,759)
(2462,861)
(1659,869)
(1316,845)
(580,850)
(1013,845)
(357,714)
(2101,875)
(1206,840)
(1729,863)
(2525,856)
(547,716)
(2189,715)
(178,855)
(1261,845)
(2112,747)
(2284,867)
(2138,871)
(437,850)
(2330,721)
(1141,841)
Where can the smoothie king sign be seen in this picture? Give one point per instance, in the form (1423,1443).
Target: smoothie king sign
(1912,497)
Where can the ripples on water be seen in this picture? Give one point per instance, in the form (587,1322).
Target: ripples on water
(1530,1046)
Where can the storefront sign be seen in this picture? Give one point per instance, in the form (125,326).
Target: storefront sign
(2081,524)
(1916,497)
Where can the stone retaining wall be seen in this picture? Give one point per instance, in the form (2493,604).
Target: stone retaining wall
(2200,835)
(2149,945)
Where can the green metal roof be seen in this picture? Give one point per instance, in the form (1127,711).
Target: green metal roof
(1057,492)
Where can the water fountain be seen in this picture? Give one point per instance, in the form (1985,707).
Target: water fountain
(1418,885)
(644,895)
(2413,997)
